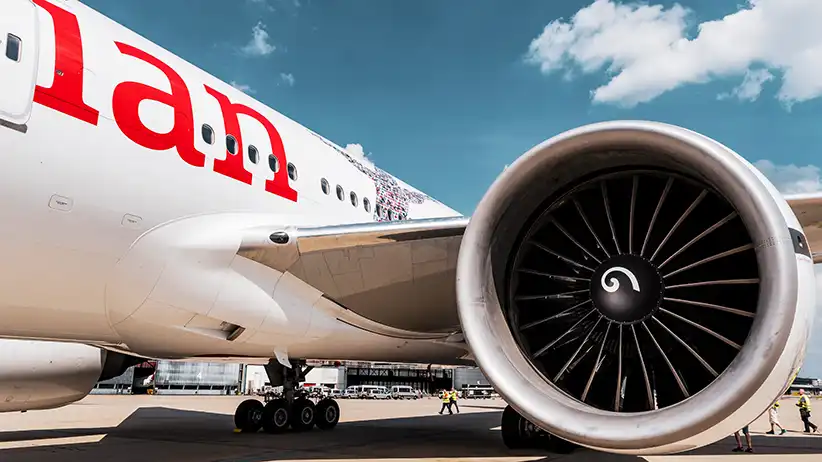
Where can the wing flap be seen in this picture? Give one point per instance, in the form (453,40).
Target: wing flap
(398,274)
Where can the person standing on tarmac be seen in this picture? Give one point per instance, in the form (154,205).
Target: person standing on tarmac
(773,418)
(453,397)
(446,402)
(804,405)
(747,433)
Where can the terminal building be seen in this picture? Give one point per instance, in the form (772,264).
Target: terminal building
(812,386)
(173,377)
(424,377)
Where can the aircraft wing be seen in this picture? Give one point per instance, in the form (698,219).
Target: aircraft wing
(808,209)
(402,274)
(397,274)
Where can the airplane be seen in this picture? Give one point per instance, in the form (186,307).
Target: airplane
(628,286)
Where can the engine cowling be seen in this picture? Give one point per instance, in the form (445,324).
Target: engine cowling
(636,287)
(45,375)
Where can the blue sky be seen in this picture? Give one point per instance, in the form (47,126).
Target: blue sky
(445,94)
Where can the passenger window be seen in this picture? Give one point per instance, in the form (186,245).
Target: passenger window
(231,144)
(354,200)
(13,47)
(208,134)
(366,204)
(379,210)
(253,154)
(292,171)
(325,186)
(340,193)
(273,163)
(390,215)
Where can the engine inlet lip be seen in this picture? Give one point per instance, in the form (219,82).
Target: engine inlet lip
(485,325)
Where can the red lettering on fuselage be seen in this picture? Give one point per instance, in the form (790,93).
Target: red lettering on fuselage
(126,104)
(66,92)
(232,166)
(66,96)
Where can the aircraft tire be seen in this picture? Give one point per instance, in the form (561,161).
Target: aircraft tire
(248,416)
(303,414)
(276,416)
(328,414)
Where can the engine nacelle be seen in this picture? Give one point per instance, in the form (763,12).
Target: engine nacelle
(636,287)
(45,375)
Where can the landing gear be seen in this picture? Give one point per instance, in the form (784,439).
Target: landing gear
(293,410)
(519,433)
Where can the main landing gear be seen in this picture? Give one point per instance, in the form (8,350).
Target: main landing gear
(293,411)
(519,433)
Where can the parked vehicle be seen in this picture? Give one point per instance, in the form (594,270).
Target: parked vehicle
(477,391)
(352,392)
(378,393)
(365,390)
(403,392)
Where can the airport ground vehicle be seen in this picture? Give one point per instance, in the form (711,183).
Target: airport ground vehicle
(376,392)
(477,392)
(403,392)
(352,392)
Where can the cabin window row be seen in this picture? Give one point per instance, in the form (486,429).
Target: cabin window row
(253,153)
(352,196)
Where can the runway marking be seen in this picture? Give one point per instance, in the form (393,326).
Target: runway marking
(52,441)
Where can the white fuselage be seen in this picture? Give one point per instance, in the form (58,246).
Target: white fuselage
(113,201)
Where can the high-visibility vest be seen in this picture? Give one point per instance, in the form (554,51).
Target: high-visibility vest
(804,402)
(454,395)
(446,397)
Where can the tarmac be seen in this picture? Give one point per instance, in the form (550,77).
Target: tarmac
(200,428)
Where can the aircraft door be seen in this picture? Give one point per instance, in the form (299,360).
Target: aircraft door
(19,58)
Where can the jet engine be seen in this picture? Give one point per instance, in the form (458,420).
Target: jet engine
(636,288)
(45,375)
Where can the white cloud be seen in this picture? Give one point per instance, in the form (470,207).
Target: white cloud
(243,87)
(356,151)
(791,179)
(288,78)
(646,49)
(282,3)
(265,4)
(751,85)
(259,44)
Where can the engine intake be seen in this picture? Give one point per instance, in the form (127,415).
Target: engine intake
(635,287)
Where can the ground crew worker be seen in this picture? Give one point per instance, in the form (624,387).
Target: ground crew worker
(747,433)
(446,402)
(773,418)
(804,405)
(453,397)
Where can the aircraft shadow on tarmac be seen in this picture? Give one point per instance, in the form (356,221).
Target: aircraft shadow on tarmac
(164,434)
